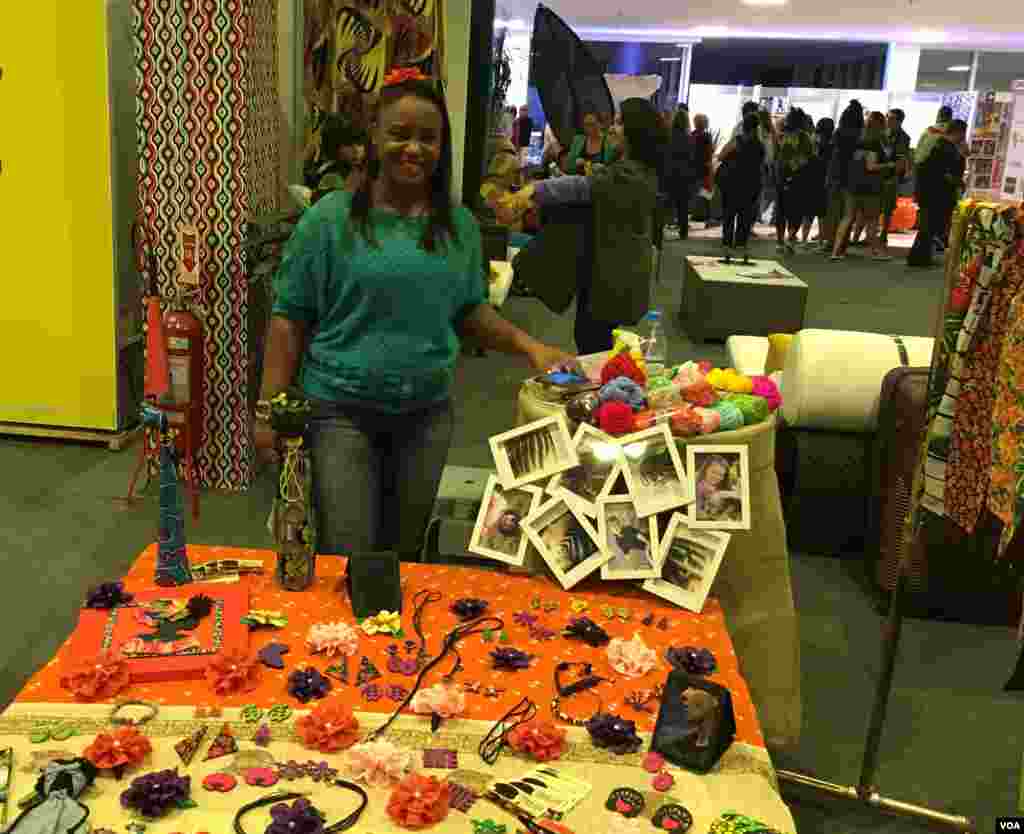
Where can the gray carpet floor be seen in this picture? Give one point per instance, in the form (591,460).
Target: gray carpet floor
(953,738)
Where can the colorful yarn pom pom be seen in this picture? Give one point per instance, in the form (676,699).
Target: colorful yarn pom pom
(622,365)
(729,380)
(623,390)
(699,393)
(644,419)
(731,418)
(764,386)
(754,409)
(686,422)
(614,418)
(710,419)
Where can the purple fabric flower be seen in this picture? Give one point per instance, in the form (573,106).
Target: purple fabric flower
(539,632)
(298,818)
(613,733)
(372,692)
(397,693)
(469,608)
(108,595)
(154,794)
(290,770)
(510,659)
(320,771)
(403,665)
(524,618)
(585,629)
(691,659)
(262,737)
(307,684)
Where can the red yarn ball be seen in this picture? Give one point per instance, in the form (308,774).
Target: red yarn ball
(622,365)
(614,417)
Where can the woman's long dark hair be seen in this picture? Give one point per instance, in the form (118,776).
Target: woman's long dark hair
(644,133)
(440,225)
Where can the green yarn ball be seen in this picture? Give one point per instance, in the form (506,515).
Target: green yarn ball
(753,408)
(732,417)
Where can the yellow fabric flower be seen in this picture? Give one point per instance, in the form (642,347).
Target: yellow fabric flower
(578,606)
(386,622)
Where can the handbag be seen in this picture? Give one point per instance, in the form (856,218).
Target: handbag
(374,583)
(696,723)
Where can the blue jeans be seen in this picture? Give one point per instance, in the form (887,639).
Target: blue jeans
(375,476)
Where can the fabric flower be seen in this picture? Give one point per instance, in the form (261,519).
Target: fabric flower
(663,781)
(585,629)
(631,658)
(378,763)
(610,732)
(510,660)
(692,660)
(233,672)
(328,728)
(385,622)
(220,782)
(622,365)
(578,606)
(469,608)
(260,777)
(614,418)
(298,818)
(400,76)
(98,678)
(125,747)
(154,794)
(307,684)
(108,595)
(541,740)
(441,700)
(653,762)
(524,618)
(333,639)
(418,802)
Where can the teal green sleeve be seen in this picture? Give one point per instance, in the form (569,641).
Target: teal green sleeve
(574,153)
(476,290)
(303,269)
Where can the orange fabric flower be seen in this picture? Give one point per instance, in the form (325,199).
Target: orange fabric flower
(98,678)
(328,728)
(419,801)
(233,672)
(541,740)
(403,74)
(125,747)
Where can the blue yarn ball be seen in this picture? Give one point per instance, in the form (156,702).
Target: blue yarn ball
(732,417)
(623,389)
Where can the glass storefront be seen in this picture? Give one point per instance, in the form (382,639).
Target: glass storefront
(944,70)
(997,70)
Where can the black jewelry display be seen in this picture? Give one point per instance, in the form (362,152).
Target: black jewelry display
(696,723)
(374,583)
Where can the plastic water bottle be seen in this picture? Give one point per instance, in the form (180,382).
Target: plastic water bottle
(656,345)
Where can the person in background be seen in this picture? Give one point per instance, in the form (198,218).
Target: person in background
(932,135)
(342,153)
(508,120)
(739,178)
(615,288)
(703,162)
(868,170)
(614,136)
(793,155)
(897,148)
(589,147)
(844,145)
(553,150)
(374,292)
(680,171)
(522,132)
(937,187)
(768,208)
(503,177)
(817,193)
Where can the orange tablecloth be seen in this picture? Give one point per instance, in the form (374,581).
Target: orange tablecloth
(506,594)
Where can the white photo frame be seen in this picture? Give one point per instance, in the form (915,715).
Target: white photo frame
(495,536)
(721,500)
(641,562)
(690,561)
(555,544)
(533,452)
(654,471)
(585,484)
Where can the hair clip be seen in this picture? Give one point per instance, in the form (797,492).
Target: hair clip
(371,692)
(59,731)
(535,603)
(625,801)
(648,620)
(487,827)
(640,699)
(674,818)
(397,693)
(367,672)
(189,746)
(279,713)
(392,649)
(251,713)
(339,670)
(460,797)
(402,665)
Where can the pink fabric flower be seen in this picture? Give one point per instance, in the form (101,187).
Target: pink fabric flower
(631,658)
(333,639)
(378,763)
(663,781)
(441,700)
(653,762)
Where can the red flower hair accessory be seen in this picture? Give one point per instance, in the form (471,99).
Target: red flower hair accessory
(98,678)
(622,365)
(541,740)
(125,747)
(233,672)
(402,74)
(328,728)
(614,417)
(419,801)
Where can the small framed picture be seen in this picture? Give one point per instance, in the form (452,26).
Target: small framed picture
(721,487)
(533,452)
(498,532)
(631,541)
(690,560)
(654,471)
(592,479)
(566,541)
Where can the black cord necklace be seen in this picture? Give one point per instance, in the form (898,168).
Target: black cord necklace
(448,645)
(421,600)
(336,828)
(497,737)
(585,683)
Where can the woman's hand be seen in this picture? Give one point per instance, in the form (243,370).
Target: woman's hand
(546,358)
(265,440)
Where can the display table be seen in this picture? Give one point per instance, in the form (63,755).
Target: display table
(743,780)
(756,300)
(753,584)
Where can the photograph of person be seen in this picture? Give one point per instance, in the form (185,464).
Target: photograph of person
(689,561)
(654,471)
(721,486)
(498,533)
(566,541)
(631,541)
(592,479)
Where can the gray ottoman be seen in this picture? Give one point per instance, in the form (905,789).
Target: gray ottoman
(755,300)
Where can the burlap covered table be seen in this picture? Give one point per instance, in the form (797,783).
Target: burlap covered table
(753,584)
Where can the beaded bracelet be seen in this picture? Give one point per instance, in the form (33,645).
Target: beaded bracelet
(122,721)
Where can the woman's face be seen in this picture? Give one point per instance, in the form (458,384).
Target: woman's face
(714,474)
(591,126)
(408,139)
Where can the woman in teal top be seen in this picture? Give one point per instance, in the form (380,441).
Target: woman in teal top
(590,146)
(374,292)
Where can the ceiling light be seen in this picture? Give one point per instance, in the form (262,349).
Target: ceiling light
(959,68)
(929,36)
(670,59)
(711,31)
(765,2)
